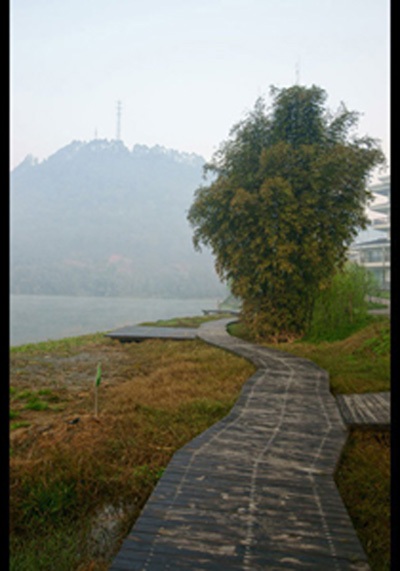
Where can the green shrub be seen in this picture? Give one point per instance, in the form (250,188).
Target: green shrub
(342,308)
(15,425)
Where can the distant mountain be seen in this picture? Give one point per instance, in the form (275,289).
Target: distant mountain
(97,219)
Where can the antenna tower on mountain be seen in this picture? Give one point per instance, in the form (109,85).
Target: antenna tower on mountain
(118,137)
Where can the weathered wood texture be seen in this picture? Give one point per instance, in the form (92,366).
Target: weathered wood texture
(256,490)
(221,311)
(371,409)
(140,333)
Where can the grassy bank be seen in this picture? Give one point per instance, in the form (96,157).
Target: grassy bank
(79,482)
(359,363)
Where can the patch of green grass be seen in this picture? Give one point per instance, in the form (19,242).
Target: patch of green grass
(338,333)
(377,346)
(59,550)
(22,424)
(23,395)
(363,480)
(36,405)
(13,414)
(239,329)
(50,501)
(62,346)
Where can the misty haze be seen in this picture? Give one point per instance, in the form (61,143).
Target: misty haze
(96,219)
(259,436)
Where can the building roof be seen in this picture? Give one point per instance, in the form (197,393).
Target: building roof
(377,242)
(382,187)
(369,234)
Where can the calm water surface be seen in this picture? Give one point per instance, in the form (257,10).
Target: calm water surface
(36,318)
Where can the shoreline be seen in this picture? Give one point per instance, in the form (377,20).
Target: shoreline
(36,319)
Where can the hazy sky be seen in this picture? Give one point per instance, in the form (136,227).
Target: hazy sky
(185,71)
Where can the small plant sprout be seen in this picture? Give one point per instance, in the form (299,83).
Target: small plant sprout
(96,389)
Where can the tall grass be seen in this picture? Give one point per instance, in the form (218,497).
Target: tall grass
(342,307)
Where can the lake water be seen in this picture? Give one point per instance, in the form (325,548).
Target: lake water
(36,318)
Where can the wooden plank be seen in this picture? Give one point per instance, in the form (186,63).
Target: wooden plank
(221,311)
(141,333)
(370,409)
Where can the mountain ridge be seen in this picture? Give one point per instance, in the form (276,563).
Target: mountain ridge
(96,218)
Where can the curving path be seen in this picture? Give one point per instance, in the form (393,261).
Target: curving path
(256,490)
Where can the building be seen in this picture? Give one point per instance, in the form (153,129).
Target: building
(372,248)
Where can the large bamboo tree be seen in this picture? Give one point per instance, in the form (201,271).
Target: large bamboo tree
(287,197)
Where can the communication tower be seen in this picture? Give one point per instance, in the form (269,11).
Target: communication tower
(118,137)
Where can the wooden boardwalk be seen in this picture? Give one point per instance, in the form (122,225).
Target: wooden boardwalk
(256,490)
(371,409)
(141,332)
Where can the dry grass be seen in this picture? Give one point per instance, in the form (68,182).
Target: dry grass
(68,469)
(363,479)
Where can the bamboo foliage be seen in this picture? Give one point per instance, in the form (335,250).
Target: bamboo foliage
(287,199)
